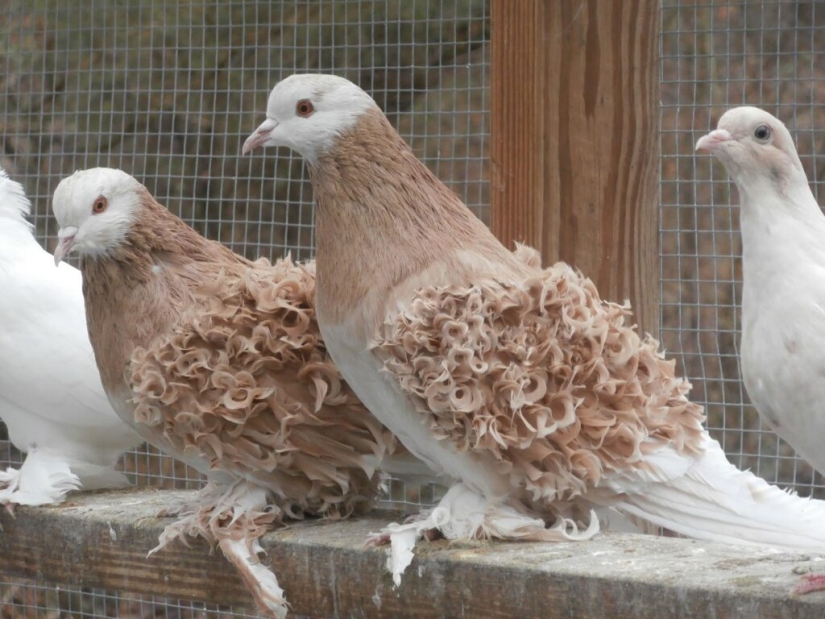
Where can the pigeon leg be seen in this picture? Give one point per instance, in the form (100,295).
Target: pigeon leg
(382,538)
(233,516)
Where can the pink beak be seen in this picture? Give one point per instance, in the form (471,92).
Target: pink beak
(710,142)
(260,137)
(64,244)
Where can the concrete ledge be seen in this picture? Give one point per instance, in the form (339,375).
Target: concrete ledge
(101,540)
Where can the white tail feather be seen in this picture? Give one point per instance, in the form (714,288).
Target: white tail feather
(713,500)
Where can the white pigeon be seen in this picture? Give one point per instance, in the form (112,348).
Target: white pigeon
(783,268)
(534,396)
(51,398)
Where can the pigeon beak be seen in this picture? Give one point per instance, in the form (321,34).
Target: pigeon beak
(65,243)
(710,142)
(260,137)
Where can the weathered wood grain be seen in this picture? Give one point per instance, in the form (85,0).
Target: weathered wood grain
(575,145)
(101,540)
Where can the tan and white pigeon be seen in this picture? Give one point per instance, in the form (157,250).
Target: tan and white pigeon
(535,397)
(218,361)
(783,269)
(51,398)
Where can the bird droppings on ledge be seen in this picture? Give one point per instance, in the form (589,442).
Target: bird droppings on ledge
(332,574)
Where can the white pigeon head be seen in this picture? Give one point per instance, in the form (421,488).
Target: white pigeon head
(307,112)
(754,146)
(95,209)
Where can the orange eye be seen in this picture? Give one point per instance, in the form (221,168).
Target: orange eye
(304,108)
(100,205)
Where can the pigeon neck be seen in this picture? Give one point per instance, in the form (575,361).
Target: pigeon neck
(158,237)
(382,216)
(136,279)
(779,228)
(107,289)
(765,202)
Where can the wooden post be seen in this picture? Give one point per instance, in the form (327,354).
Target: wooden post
(575,145)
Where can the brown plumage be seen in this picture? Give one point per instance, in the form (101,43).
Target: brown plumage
(388,245)
(474,344)
(473,349)
(218,361)
(538,398)
(543,375)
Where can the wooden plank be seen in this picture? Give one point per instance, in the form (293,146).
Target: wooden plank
(101,540)
(575,146)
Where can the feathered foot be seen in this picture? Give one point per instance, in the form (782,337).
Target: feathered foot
(259,580)
(42,480)
(462,515)
(207,514)
(811,583)
(9,477)
(192,517)
(9,480)
(233,517)
(383,537)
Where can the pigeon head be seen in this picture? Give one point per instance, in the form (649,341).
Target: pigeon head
(754,146)
(307,112)
(95,209)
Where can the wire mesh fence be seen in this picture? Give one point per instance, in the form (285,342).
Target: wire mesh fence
(718,55)
(35,600)
(168,92)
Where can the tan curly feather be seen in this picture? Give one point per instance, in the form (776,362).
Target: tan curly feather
(246,382)
(218,361)
(544,375)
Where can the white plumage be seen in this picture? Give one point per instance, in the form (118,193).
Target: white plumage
(535,396)
(783,266)
(51,398)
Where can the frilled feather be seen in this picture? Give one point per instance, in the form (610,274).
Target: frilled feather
(542,374)
(245,382)
(218,361)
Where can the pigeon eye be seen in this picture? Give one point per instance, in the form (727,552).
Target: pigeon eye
(762,133)
(304,108)
(100,205)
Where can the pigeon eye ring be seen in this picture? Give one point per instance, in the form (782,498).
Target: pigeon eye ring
(762,133)
(304,108)
(100,205)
